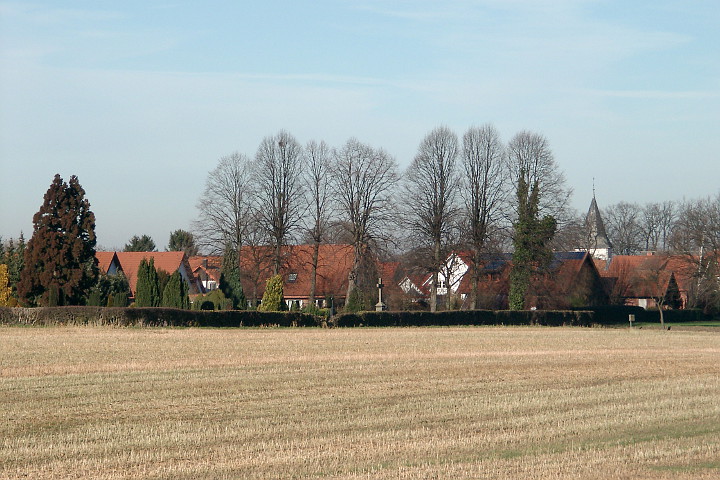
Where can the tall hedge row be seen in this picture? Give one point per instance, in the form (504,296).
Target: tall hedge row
(153,317)
(156,317)
(464,317)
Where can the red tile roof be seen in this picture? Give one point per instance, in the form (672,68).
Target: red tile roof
(211,265)
(104,260)
(639,276)
(130,262)
(334,264)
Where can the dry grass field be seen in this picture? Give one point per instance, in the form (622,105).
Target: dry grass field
(520,403)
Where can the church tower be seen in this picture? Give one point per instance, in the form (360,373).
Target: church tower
(597,241)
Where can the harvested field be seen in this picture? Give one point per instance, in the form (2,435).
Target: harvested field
(490,402)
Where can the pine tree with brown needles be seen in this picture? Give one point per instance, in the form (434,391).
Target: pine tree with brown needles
(60,256)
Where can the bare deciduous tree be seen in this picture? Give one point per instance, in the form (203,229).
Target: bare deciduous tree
(317,184)
(484,191)
(278,171)
(650,226)
(225,208)
(431,186)
(622,222)
(363,183)
(668,214)
(696,238)
(530,153)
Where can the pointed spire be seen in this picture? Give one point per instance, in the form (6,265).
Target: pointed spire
(595,226)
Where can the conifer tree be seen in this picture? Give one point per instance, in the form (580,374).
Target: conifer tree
(230,282)
(142,243)
(175,293)
(119,290)
(59,260)
(5,289)
(182,241)
(147,290)
(273,300)
(15,256)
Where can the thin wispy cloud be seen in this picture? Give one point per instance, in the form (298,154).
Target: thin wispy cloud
(166,89)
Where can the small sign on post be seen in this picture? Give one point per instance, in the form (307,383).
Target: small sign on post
(631,318)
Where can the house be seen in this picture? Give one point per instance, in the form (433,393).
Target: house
(206,269)
(129,262)
(333,267)
(642,280)
(108,263)
(571,280)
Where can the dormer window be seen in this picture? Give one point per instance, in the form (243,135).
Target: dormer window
(292,277)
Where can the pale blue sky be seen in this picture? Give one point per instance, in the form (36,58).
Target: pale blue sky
(141,98)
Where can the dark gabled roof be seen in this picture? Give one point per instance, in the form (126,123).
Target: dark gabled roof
(560,258)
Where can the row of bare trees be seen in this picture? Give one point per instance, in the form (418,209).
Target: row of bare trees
(289,193)
(463,194)
(455,192)
(690,226)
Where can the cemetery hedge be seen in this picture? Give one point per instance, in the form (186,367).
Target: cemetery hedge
(153,317)
(172,317)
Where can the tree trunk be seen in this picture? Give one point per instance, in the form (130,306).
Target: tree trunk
(276,259)
(355,270)
(435,281)
(313,273)
(474,284)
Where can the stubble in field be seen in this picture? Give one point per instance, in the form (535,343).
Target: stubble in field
(359,403)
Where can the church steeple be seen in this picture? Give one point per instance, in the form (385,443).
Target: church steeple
(599,244)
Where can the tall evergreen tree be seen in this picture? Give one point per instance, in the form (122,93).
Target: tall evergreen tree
(5,289)
(175,294)
(531,239)
(147,290)
(230,282)
(143,243)
(16,261)
(182,241)
(12,256)
(60,256)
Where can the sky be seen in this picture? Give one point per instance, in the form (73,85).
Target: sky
(140,99)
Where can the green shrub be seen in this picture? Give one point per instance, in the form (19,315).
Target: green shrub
(214,300)
(272,300)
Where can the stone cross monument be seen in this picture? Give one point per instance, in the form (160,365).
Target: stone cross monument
(380,306)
